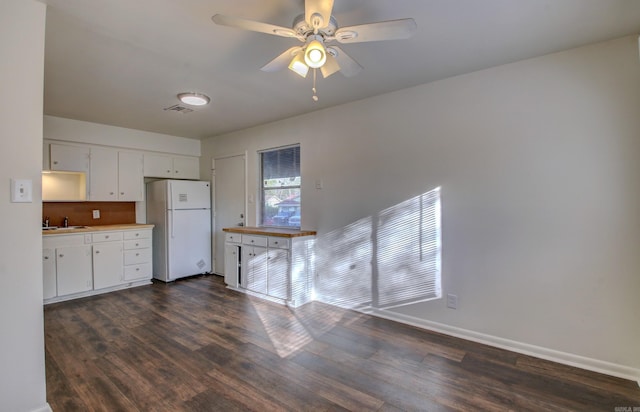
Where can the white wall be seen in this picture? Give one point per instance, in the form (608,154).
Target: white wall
(58,128)
(22,371)
(539,164)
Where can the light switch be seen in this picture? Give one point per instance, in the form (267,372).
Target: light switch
(96,214)
(21,190)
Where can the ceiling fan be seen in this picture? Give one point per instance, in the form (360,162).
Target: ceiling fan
(318,30)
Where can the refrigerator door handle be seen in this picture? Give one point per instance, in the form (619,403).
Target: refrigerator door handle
(170,197)
(171,223)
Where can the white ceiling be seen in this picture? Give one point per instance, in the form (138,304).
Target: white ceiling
(120,62)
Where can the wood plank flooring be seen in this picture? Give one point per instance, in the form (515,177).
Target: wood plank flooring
(196,346)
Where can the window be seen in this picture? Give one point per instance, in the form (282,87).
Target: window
(280,190)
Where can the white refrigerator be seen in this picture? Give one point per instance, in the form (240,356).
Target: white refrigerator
(181,213)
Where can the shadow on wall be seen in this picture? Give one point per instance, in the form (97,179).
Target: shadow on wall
(383,261)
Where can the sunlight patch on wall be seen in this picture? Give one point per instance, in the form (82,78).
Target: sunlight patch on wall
(343,264)
(408,252)
(383,261)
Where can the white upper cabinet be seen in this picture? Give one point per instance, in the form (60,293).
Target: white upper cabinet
(186,168)
(104,175)
(171,167)
(158,166)
(116,176)
(69,158)
(130,178)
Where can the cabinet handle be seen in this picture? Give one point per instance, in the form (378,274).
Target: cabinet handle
(177,171)
(55,162)
(61,255)
(111,193)
(168,171)
(136,244)
(46,257)
(97,251)
(121,193)
(137,254)
(106,237)
(137,234)
(137,269)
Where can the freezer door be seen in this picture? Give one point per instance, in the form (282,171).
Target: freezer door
(189,243)
(185,194)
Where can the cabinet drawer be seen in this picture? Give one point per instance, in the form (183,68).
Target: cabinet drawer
(137,234)
(279,242)
(254,240)
(137,256)
(137,244)
(106,237)
(54,241)
(233,237)
(133,272)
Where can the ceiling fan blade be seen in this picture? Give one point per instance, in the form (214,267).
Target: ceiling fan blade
(253,25)
(281,61)
(348,66)
(313,8)
(330,66)
(384,30)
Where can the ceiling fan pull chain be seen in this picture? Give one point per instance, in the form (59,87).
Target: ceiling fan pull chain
(313,89)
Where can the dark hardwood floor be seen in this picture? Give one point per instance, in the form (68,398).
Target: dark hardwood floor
(195,346)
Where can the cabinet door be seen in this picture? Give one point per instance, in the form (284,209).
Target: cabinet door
(158,166)
(278,273)
(69,158)
(232,265)
(104,175)
(254,265)
(49,273)
(107,265)
(186,168)
(130,179)
(73,269)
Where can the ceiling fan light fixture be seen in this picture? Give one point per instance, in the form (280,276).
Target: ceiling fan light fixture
(298,65)
(194,99)
(315,54)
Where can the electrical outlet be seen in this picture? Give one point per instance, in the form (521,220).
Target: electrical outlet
(96,214)
(452,301)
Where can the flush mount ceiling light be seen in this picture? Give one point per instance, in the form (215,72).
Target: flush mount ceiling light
(194,99)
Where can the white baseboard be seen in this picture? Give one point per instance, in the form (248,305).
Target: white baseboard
(45,408)
(565,358)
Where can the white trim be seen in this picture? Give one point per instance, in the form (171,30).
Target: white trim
(565,358)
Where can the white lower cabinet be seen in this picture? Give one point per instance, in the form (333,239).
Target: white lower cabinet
(49,287)
(263,264)
(278,267)
(232,264)
(255,268)
(107,264)
(137,255)
(73,269)
(78,265)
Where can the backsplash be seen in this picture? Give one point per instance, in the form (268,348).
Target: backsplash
(81,213)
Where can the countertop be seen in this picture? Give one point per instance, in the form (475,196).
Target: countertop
(103,228)
(269,231)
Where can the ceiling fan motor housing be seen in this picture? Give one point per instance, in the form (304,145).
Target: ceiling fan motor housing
(303,29)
